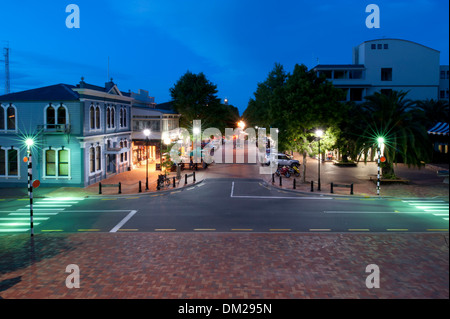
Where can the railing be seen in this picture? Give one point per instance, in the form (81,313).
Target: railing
(54,128)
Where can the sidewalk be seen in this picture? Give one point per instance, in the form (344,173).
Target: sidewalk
(422,182)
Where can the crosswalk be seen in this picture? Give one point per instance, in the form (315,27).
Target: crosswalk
(438,208)
(18,221)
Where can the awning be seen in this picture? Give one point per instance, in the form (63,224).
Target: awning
(439,129)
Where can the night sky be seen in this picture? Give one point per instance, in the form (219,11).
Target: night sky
(151,44)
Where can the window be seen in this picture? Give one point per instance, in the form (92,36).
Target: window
(63,163)
(2,118)
(340,74)
(113,117)
(442,75)
(386,46)
(373,46)
(92,160)
(98,162)
(442,94)
(447,75)
(379,46)
(97,117)
(386,74)
(62,116)
(356,94)
(11,118)
(121,118)
(13,162)
(50,117)
(50,163)
(328,74)
(125,117)
(2,162)
(108,117)
(92,117)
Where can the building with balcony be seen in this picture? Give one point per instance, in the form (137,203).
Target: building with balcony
(82,134)
(385,65)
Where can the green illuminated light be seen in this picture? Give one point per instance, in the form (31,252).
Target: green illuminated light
(29,142)
(380,140)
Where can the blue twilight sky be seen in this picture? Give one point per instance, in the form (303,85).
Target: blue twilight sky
(152,43)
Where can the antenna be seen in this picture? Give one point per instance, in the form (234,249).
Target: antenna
(7,76)
(107,78)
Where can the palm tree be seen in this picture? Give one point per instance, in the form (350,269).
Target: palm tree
(433,111)
(393,117)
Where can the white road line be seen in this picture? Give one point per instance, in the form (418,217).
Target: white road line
(369,212)
(232,189)
(123,221)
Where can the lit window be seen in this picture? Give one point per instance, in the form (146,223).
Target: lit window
(63,163)
(50,163)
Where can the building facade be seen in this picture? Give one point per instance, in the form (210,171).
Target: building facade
(82,134)
(385,65)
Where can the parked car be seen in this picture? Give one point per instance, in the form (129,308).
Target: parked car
(283,160)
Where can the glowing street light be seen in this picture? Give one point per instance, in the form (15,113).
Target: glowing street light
(241,124)
(319,134)
(380,146)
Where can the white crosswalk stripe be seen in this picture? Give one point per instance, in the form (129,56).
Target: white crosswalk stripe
(438,208)
(18,221)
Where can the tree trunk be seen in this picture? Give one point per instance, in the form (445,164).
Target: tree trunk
(304,166)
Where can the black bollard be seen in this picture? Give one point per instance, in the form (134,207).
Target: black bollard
(280,181)
(120,188)
(294,184)
(174,182)
(194,176)
(351,189)
(312,186)
(185,179)
(140,187)
(100,188)
(331,190)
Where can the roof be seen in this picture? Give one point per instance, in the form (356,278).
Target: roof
(57,92)
(393,39)
(439,129)
(339,66)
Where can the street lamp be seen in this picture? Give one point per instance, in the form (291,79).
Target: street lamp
(319,134)
(29,142)
(147,134)
(380,144)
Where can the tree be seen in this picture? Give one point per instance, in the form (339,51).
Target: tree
(305,103)
(194,97)
(258,112)
(433,111)
(394,118)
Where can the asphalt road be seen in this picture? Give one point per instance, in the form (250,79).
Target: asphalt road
(226,205)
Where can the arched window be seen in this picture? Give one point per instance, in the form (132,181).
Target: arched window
(11,117)
(62,116)
(113,117)
(121,117)
(92,117)
(2,118)
(125,117)
(50,117)
(92,160)
(108,117)
(97,117)
(98,158)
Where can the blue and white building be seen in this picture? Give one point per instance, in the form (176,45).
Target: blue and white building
(82,134)
(384,65)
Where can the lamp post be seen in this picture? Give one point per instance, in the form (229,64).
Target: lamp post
(147,134)
(380,143)
(319,134)
(29,142)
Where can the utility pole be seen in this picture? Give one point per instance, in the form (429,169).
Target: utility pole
(7,80)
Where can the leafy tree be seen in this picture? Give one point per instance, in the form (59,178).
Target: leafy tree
(305,103)
(195,97)
(433,111)
(394,118)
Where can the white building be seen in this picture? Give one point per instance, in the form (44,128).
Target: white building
(384,65)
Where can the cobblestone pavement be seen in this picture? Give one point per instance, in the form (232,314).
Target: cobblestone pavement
(222,265)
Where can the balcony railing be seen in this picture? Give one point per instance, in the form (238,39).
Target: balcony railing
(54,128)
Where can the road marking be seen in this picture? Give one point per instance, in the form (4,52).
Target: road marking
(51,230)
(368,212)
(204,229)
(131,229)
(241,229)
(359,229)
(165,229)
(123,221)
(191,188)
(23,218)
(175,192)
(109,198)
(437,229)
(280,229)
(325,229)
(13,230)
(92,229)
(400,229)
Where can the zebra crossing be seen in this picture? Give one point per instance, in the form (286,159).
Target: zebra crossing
(438,208)
(18,221)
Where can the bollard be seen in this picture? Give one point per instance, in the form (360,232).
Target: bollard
(174,182)
(294,184)
(312,186)
(185,179)
(273,178)
(100,188)
(194,176)
(140,187)
(120,188)
(280,181)
(351,189)
(331,191)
